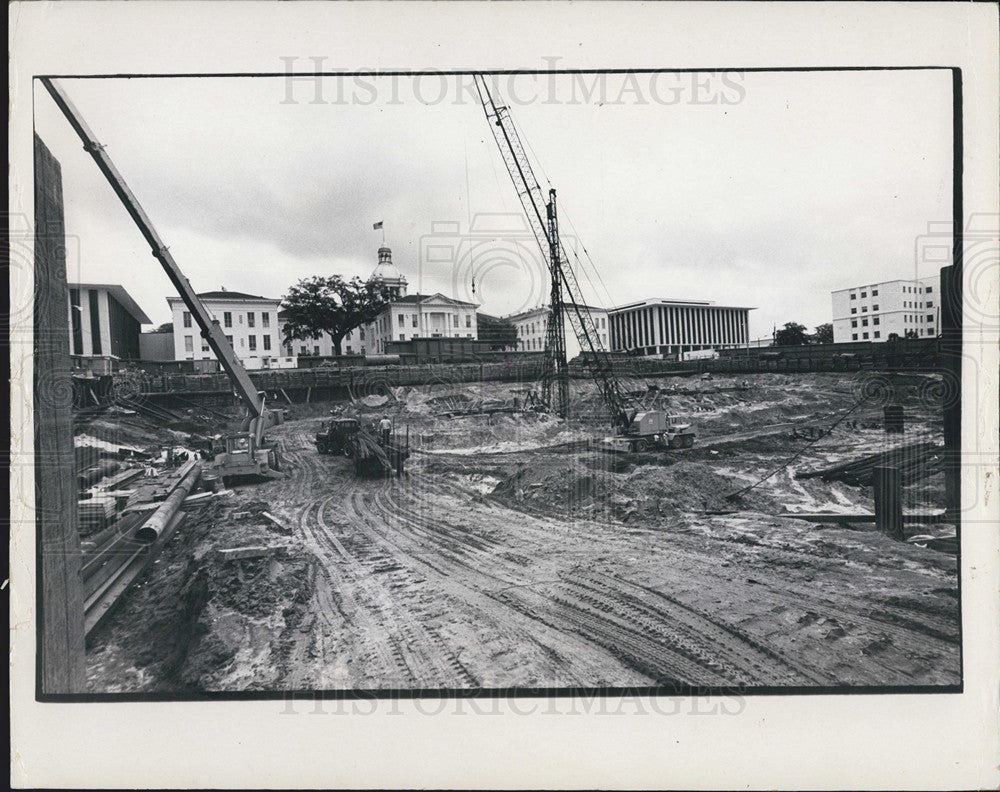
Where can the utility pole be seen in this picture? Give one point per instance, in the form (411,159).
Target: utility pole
(556,368)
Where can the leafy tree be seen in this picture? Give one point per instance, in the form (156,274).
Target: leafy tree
(823,334)
(500,333)
(911,334)
(792,334)
(331,304)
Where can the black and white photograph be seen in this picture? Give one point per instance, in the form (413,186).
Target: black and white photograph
(379,384)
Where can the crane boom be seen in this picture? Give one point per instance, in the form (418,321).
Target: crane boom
(210,329)
(542,219)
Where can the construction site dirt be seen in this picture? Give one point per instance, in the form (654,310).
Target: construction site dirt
(516,552)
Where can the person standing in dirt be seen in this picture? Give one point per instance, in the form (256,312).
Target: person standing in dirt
(385,428)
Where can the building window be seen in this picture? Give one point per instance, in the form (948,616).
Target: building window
(864,309)
(929,289)
(227,319)
(349,350)
(303,350)
(251,320)
(864,336)
(265,319)
(316,350)
(401,320)
(854,296)
(854,310)
(204,345)
(930,317)
(854,336)
(414,320)
(187,318)
(252,340)
(468,320)
(875,320)
(230,340)
(874,292)
(267,342)
(402,336)
(454,320)
(854,323)
(877,334)
(875,307)
(930,303)
(603,325)
(362,334)
(863,295)
(189,343)
(864,323)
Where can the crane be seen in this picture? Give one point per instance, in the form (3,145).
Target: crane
(637,430)
(246,453)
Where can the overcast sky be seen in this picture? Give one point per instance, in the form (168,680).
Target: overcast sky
(762,190)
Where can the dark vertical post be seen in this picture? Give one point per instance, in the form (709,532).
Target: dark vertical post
(60,660)
(951,304)
(887,483)
(951,373)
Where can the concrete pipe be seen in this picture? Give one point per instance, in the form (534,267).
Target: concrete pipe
(150,531)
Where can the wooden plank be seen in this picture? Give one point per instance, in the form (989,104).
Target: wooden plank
(60,615)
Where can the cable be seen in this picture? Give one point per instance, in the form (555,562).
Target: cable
(797,454)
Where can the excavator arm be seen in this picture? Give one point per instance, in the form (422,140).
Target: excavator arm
(210,329)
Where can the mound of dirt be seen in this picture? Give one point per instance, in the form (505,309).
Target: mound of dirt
(570,486)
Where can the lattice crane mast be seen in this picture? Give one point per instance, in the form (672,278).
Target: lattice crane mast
(543,219)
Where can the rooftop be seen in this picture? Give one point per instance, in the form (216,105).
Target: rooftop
(123,297)
(653,301)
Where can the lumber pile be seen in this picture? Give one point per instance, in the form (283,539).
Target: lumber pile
(916,461)
(96,513)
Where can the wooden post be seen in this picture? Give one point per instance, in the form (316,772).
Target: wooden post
(888,486)
(60,631)
(950,301)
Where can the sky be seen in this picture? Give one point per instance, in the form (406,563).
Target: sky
(765,190)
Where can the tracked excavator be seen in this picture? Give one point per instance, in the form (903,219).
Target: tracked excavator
(245,454)
(636,428)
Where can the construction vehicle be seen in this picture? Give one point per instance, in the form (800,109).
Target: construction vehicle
(335,436)
(376,456)
(634,426)
(243,454)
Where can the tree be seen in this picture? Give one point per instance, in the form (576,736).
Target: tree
(823,334)
(911,334)
(319,304)
(500,333)
(166,327)
(792,334)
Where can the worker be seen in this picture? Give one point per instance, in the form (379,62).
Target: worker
(385,428)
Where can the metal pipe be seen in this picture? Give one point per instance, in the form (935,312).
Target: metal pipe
(150,531)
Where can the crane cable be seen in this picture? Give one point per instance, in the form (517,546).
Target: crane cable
(797,454)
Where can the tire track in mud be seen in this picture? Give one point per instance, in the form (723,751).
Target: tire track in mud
(669,643)
(408,538)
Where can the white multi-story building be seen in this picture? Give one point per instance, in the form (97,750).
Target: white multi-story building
(532,328)
(657,327)
(249,321)
(892,308)
(422,316)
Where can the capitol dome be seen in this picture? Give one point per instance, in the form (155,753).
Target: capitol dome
(389,274)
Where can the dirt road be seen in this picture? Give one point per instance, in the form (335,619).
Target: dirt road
(543,564)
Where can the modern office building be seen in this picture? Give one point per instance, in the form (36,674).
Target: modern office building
(877,311)
(104,321)
(658,327)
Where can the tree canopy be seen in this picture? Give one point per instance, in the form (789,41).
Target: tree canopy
(823,334)
(330,304)
(792,334)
